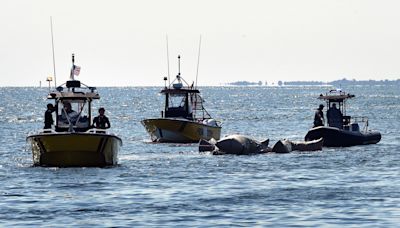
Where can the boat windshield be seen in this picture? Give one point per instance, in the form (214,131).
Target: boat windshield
(178,106)
(176,100)
(72,112)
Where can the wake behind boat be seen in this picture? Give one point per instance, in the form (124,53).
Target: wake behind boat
(342,130)
(74,142)
(184,118)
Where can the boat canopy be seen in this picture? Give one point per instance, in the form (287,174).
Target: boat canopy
(335,96)
(179,91)
(73,95)
(74,92)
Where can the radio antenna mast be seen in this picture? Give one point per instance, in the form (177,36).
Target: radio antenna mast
(167,58)
(52,47)
(198,62)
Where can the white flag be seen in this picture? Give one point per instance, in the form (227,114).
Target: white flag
(77,70)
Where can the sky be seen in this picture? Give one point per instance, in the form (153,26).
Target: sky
(123,42)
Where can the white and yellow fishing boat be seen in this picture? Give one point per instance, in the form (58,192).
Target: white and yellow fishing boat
(184,118)
(73,142)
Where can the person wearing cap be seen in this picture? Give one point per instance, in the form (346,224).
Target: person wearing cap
(319,116)
(101,121)
(48,117)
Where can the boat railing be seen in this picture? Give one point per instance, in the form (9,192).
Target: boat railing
(46,131)
(97,130)
(41,132)
(355,120)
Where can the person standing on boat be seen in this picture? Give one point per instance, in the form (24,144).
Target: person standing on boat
(319,116)
(48,117)
(335,117)
(101,121)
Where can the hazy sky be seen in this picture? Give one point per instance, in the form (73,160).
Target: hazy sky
(123,43)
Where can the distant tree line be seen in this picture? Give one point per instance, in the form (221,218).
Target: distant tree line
(245,83)
(341,82)
(344,82)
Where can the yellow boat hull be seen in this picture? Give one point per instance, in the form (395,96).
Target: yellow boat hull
(66,149)
(179,130)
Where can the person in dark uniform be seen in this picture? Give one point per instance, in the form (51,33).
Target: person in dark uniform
(319,116)
(48,117)
(335,117)
(101,121)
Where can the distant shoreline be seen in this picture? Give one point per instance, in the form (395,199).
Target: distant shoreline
(341,82)
(337,83)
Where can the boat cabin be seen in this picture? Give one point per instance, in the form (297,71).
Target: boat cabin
(73,106)
(178,102)
(183,101)
(336,108)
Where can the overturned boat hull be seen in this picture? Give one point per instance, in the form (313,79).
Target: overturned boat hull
(179,130)
(335,137)
(71,149)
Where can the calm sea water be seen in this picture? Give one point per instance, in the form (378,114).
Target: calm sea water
(174,185)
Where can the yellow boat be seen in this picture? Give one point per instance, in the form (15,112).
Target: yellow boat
(69,149)
(184,118)
(73,142)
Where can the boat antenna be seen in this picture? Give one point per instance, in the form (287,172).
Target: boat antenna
(54,58)
(179,67)
(73,67)
(198,62)
(167,58)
